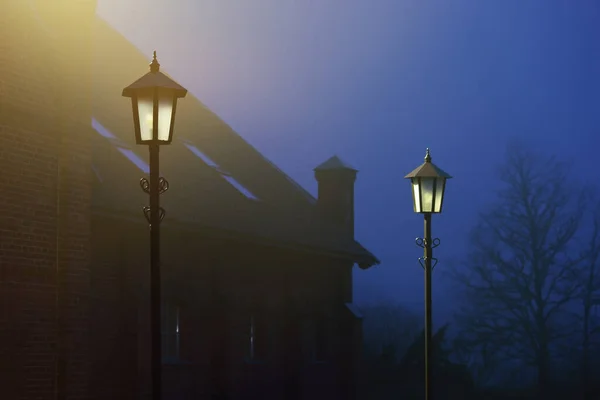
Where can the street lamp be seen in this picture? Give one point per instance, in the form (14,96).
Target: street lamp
(154,100)
(428,183)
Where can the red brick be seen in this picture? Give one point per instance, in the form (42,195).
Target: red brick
(44,243)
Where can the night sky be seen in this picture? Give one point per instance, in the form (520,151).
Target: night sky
(378,81)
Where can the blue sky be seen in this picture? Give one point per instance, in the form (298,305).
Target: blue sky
(378,81)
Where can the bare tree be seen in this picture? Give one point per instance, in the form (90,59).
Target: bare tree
(388,330)
(590,295)
(482,362)
(519,273)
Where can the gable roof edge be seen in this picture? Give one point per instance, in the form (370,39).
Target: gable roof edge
(364,261)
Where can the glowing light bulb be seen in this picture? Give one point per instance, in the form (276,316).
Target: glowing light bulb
(150,125)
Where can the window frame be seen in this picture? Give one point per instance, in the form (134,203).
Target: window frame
(320,349)
(252,354)
(170,341)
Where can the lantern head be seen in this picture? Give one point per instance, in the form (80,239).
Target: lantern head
(428,184)
(154,102)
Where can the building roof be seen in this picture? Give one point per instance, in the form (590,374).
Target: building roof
(217,180)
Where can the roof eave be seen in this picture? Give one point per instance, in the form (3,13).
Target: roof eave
(364,261)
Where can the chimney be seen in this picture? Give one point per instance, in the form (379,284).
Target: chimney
(336,193)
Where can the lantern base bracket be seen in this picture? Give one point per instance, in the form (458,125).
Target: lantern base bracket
(163,185)
(423,262)
(147,212)
(422,243)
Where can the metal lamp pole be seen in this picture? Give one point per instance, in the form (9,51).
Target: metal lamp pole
(154,215)
(156,187)
(428,185)
(428,251)
(152,96)
(428,245)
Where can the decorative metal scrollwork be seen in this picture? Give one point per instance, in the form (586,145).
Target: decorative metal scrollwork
(163,185)
(145,185)
(423,242)
(423,259)
(161,214)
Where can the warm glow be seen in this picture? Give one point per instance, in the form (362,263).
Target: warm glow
(145,110)
(428,194)
(416,195)
(146,114)
(165,111)
(439,194)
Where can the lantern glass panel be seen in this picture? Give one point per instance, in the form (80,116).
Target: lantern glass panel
(439,194)
(145,113)
(146,116)
(416,194)
(165,113)
(427,187)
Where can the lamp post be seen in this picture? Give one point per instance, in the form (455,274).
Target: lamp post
(154,101)
(428,184)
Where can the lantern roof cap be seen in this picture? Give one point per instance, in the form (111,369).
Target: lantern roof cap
(155,79)
(428,170)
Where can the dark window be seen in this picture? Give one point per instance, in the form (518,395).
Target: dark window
(258,344)
(321,340)
(170,317)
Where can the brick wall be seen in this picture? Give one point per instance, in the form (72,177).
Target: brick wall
(53,301)
(45,201)
(121,313)
(296,288)
(119,255)
(215,283)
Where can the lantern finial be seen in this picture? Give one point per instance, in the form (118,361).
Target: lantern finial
(154,66)
(427,156)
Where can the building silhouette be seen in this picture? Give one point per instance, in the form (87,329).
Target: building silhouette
(257,274)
